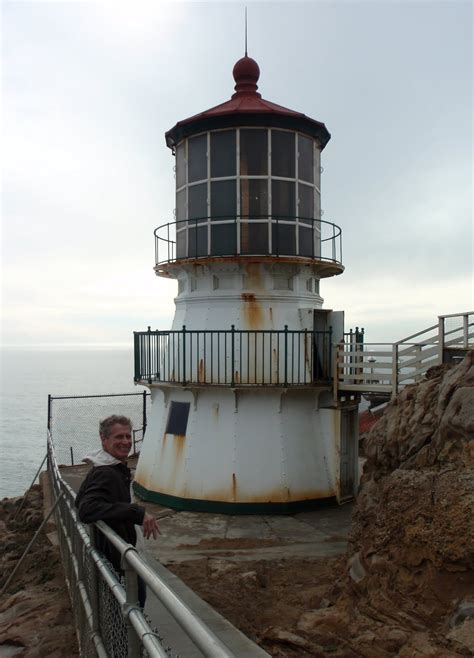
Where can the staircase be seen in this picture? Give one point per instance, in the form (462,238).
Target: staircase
(381,370)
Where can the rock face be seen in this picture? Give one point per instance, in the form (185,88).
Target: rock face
(35,611)
(412,544)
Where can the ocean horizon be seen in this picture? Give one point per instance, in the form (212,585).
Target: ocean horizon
(29,374)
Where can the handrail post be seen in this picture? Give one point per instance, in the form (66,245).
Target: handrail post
(232,355)
(144,418)
(465,330)
(131,593)
(149,355)
(441,329)
(394,369)
(285,383)
(184,354)
(136,355)
(329,355)
(49,411)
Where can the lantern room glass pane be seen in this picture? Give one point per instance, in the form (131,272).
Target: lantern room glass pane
(253,197)
(305,159)
(197,200)
(181,244)
(253,152)
(223,153)
(283,199)
(283,153)
(284,239)
(306,242)
(197,158)
(197,241)
(181,165)
(223,239)
(305,201)
(223,199)
(181,205)
(253,237)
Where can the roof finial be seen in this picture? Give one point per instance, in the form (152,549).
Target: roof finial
(245,31)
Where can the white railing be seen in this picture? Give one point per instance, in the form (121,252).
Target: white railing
(385,368)
(107,616)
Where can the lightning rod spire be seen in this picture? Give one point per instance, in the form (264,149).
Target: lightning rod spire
(245,31)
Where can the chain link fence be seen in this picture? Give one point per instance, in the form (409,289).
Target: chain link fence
(74,421)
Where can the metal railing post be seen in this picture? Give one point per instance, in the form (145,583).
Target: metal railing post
(465,330)
(440,340)
(329,355)
(285,383)
(144,418)
(232,355)
(94,597)
(148,354)
(394,369)
(184,354)
(136,355)
(131,593)
(50,401)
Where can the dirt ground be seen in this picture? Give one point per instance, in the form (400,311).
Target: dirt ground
(264,599)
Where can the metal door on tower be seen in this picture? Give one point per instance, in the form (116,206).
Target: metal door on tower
(349,454)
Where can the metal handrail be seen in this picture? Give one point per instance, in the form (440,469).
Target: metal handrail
(197,630)
(332,235)
(235,357)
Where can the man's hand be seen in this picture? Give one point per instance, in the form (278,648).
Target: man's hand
(150,527)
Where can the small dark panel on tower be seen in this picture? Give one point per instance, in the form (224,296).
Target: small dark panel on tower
(178,418)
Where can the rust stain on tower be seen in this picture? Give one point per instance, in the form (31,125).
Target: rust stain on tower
(253,314)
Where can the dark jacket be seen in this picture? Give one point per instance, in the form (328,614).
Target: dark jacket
(105,496)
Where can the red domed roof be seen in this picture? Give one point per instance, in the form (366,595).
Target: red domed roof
(247,107)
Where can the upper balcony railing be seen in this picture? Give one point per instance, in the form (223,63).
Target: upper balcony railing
(264,235)
(234,357)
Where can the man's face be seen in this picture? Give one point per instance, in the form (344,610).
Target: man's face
(119,441)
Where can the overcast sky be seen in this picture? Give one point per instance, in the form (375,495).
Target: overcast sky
(89,90)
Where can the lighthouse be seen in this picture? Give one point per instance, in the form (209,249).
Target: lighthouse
(243,416)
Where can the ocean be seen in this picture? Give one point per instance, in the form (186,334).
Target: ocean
(29,375)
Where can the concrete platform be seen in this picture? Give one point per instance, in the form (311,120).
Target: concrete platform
(194,535)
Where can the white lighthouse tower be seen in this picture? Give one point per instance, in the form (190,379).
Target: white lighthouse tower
(243,417)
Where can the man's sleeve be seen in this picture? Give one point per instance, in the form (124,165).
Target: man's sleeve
(95,501)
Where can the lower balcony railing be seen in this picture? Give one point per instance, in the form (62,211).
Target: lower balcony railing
(233,357)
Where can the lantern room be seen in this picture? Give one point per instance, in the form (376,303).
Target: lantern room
(248,181)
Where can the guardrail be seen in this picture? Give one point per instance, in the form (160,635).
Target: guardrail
(240,235)
(234,357)
(385,368)
(105,605)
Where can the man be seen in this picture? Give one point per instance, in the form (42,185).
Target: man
(105,493)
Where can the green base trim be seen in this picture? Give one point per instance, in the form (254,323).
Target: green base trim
(220,507)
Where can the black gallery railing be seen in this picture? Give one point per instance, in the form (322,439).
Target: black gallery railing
(233,357)
(240,235)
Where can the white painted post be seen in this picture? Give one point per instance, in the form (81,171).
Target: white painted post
(440,339)
(394,369)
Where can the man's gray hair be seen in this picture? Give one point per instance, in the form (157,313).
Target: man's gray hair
(105,426)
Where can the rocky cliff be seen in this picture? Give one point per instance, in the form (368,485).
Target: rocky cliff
(409,589)
(35,611)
